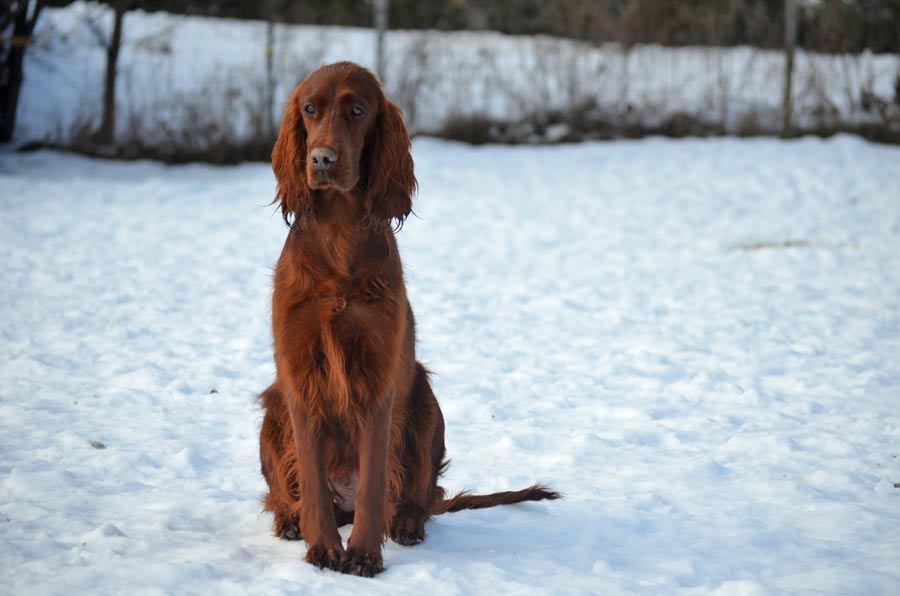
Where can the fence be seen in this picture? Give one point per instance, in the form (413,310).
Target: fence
(197,88)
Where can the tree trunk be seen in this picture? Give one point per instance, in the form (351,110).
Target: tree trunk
(12,58)
(106,133)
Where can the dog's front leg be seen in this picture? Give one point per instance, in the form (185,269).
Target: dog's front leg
(363,555)
(317,522)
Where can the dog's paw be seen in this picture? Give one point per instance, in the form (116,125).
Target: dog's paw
(287,526)
(362,564)
(290,530)
(325,558)
(407,531)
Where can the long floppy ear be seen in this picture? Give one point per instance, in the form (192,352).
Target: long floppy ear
(289,164)
(390,181)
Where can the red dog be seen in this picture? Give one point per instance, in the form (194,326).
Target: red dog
(352,431)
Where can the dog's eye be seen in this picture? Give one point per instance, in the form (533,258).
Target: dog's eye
(309,108)
(356,111)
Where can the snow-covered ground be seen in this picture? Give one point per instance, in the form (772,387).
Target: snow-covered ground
(698,342)
(194,80)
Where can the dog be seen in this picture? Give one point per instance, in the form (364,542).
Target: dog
(352,431)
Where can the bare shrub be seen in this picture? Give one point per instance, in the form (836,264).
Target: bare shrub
(225,121)
(411,70)
(218,125)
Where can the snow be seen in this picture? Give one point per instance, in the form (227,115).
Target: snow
(696,341)
(195,80)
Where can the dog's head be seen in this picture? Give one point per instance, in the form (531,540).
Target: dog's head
(340,132)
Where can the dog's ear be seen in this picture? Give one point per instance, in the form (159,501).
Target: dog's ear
(390,181)
(289,163)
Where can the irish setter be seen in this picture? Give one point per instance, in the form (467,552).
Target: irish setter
(352,431)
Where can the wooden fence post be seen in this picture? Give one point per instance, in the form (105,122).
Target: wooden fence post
(790,39)
(268,113)
(381,22)
(106,134)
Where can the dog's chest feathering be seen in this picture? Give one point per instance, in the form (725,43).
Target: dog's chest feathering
(344,490)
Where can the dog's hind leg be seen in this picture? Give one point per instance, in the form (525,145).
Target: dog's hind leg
(279,467)
(422,457)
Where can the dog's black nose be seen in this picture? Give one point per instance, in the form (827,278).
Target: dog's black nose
(322,158)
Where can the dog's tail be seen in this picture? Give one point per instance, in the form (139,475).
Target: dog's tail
(464,500)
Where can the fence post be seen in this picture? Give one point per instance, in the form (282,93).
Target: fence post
(790,39)
(381,22)
(107,132)
(268,113)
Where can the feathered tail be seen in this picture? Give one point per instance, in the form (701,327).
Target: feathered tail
(466,501)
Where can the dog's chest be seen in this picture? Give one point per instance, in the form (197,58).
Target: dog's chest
(344,490)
